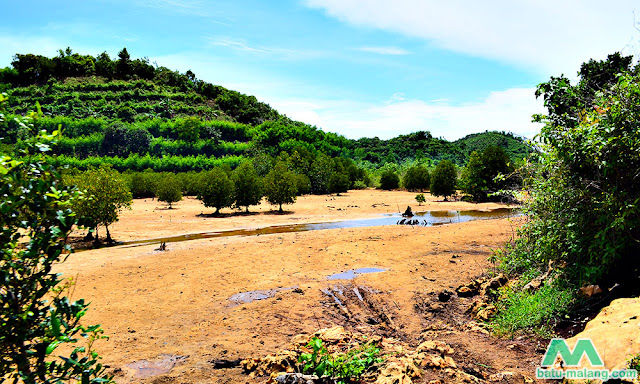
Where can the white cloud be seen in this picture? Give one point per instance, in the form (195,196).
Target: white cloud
(236,44)
(508,110)
(385,50)
(546,36)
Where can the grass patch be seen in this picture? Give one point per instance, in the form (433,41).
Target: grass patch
(525,311)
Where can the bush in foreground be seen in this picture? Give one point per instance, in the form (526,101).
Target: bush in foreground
(36,318)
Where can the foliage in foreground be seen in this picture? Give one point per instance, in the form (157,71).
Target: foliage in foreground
(584,189)
(345,367)
(36,318)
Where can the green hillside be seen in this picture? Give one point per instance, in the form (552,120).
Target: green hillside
(136,116)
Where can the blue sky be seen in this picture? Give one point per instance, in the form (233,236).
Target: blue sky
(356,67)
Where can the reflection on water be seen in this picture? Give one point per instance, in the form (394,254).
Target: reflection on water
(428,218)
(352,273)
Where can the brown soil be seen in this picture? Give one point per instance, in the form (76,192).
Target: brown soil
(171,308)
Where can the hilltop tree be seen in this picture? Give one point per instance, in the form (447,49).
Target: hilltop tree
(217,190)
(248,186)
(123,66)
(443,179)
(280,186)
(169,190)
(106,194)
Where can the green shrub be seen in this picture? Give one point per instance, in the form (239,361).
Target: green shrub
(41,332)
(389,180)
(341,367)
(417,178)
(169,189)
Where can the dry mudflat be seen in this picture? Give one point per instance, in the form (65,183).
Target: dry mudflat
(170,314)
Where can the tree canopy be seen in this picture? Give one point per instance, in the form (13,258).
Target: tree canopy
(443,179)
(280,186)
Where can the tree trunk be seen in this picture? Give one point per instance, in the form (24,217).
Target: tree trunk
(247,209)
(109,240)
(89,235)
(280,210)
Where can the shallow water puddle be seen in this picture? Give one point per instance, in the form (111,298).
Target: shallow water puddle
(250,296)
(353,273)
(162,365)
(428,218)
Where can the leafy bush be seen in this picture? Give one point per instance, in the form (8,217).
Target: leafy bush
(582,204)
(389,180)
(37,317)
(584,208)
(417,178)
(480,176)
(420,198)
(343,367)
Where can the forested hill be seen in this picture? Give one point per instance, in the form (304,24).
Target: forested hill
(129,108)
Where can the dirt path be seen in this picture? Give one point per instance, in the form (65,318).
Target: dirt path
(175,304)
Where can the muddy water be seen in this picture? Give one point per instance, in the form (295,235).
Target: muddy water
(428,218)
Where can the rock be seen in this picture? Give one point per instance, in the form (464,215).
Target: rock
(477,305)
(487,313)
(435,346)
(493,284)
(475,327)
(467,290)
(533,285)
(431,361)
(333,335)
(450,362)
(284,361)
(225,363)
(614,333)
(444,296)
(435,307)
(301,339)
(508,378)
(295,378)
(398,371)
(590,290)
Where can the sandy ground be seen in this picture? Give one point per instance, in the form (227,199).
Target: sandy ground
(153,304)
(150,218)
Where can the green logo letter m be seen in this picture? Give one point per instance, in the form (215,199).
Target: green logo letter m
(571,358)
